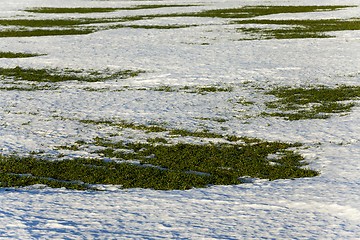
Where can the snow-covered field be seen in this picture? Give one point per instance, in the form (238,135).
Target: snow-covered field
(324,207)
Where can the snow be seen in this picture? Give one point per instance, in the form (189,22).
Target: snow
(324,207)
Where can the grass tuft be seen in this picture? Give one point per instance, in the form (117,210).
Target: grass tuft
(18,55)
(171,132)
(43,32)
(100,10)
(56,75)
(299,28)
(311,102)
(255,11)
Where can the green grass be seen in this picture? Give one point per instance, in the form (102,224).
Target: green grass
(52,22)
(204,90)
(220,120)
(44,32)
(18,55)
(50,27)
(55,27)
(28,87)
(171,132)
(157,140)
(169,26)
(46,27)
(255,11)
(226,162)
(74,10)
(124,124)
(164,88)
(100,10)
(193,89)
(81,31)
(161,166)
(312,102)
(299,28)
(40,27)
(56,75)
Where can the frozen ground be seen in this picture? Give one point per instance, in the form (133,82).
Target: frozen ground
(324,207)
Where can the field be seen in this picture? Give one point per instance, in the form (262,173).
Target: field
(179,119)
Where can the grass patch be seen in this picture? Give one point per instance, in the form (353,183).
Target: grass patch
(125,124)
(74,10)
(204,90)
(188,89)
(79,26)
(100,10)
(220,120)
(50,27)
(311,102)
(255,11)
(243,101)
(223,163)
(80,31)
(44,32)
(69,173)
(166,88)
(18,55)
(55,27)
(28,87)
(56,75)
(160,166)
(299,28)
(170,132)
(51,22)
(157,140)
(170,26)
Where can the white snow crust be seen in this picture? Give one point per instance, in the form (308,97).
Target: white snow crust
(323,207)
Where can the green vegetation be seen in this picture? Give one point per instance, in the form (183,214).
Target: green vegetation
(52,27)
(82,31)
(18,55)
(255,11)
(220,120)
(148,128)
(299,28)
(56,75)
(49,27)
(74,10)
(166,88)
(161,160)
(161,166)
(311,102)
(37,23)
(243,101)
(204,90)
(169,26)
(99,10)
(193,89)
(43,32)
(157,140)
(125,124)
(302,29)
(28,87)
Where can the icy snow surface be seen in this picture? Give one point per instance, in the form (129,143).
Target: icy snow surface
(324,207)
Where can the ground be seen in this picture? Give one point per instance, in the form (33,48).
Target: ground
(174,64)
